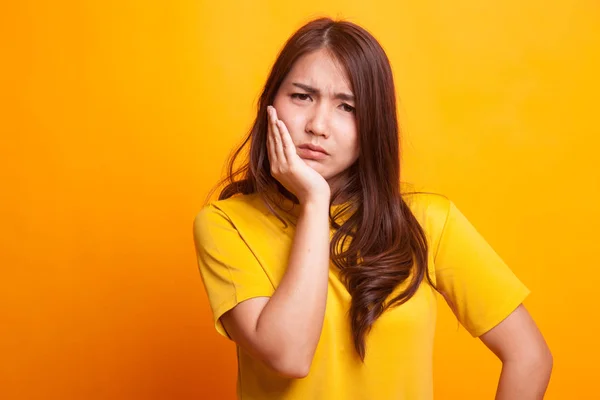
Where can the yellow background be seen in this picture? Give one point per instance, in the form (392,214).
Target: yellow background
(116,117)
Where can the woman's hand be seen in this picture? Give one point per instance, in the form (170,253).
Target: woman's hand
(288,168)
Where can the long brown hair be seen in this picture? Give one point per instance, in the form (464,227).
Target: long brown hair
(381,244)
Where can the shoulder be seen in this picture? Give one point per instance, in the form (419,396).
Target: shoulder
(428,207)
(431,211)
(228,212)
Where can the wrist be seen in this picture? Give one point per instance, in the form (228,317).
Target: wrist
(316,203)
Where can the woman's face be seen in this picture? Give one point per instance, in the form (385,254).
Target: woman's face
(317,106)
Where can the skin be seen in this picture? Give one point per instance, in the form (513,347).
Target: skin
(283,330)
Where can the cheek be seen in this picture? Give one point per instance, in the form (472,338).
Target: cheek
(292,117)
(349,141)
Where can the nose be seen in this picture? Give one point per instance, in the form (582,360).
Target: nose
(318,121)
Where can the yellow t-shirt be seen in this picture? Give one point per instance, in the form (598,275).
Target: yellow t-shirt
(243,251)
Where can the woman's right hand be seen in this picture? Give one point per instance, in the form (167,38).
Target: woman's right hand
(288,168)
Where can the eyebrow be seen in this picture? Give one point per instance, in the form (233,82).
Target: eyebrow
(312,90)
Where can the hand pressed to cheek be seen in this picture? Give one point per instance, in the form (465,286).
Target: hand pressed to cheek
(275,135)
(284,148)
(287,167)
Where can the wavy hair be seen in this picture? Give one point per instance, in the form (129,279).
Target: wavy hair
(381,244)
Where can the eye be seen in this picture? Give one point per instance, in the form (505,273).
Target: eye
(347,107)
(300,96)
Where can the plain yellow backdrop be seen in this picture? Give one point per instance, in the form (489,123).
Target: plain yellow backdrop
(117,116)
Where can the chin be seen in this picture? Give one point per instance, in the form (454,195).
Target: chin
(316,165)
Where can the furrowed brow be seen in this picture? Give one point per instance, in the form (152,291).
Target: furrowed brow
(312,90)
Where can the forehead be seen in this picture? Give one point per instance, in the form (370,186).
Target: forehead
(320,70)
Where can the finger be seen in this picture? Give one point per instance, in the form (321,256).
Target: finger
(270,143)
(286,139)
(277,137)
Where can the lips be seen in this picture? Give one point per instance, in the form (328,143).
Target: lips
(312,147)
(311,152)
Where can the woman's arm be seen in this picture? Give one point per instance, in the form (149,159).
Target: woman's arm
(526,358)
(283,331)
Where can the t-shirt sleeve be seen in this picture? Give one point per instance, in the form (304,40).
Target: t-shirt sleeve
(230,272)
(479,287)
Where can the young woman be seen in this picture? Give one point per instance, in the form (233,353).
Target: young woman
(321,270)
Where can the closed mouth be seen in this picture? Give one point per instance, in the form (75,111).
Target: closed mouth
(313,148)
